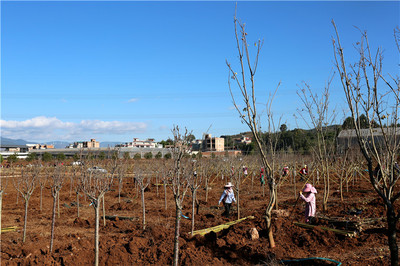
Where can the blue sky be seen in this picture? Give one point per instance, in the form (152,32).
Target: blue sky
(118,70)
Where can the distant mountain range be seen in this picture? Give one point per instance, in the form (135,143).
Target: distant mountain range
(6,141)
(57,144)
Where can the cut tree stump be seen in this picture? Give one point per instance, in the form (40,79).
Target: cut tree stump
(336,231)
(220,227)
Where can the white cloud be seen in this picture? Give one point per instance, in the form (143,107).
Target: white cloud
(51,128)
(133,100)
(163,127)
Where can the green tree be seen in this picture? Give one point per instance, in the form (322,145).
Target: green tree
(228,143)
(114,155)
(137,156)
(75,157)
(102,155)
(283,128)
(148,155)
(61,156)
(31,157)
(1,158)
(126,156)
(13,158)
(191,137)
(167,156)
(212,155)
(158,155)
(47,157)
(199,155)
(166,142)
(348,123)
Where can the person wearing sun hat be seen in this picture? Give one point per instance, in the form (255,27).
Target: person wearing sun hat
(227,198)
(309,197)
(303,173)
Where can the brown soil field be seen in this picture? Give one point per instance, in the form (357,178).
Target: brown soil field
(124,242)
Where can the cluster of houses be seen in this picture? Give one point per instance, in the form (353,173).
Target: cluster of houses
(207,146)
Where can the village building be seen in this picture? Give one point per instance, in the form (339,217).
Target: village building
(84,144)
(137,143)
(210,143)
(347,139)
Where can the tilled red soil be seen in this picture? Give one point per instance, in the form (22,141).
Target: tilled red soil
(124,242)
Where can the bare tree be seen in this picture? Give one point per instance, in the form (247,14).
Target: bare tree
(142,177)
(245,82)
(57,178)
(25,185)
(120,175)
(165,178)
(320,117)
(95,184)
(369,93)
(179,181)
(3,186)
(194,184)
(237,180)
(42,180)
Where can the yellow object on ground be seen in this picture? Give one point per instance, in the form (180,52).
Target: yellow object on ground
(9,229)
(220,227)
(336,231)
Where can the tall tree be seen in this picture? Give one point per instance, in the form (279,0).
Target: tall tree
(319,116)
(25,184)
(179,180)
(57,179)
(369,93)
(95,184)
(245,82)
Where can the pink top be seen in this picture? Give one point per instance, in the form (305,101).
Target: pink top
(310,205)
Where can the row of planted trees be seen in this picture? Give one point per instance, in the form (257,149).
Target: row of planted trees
(181,175)
(372,96)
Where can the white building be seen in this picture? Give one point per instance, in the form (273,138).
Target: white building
(137,143)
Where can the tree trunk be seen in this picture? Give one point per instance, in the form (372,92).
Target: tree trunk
(252,182)
(53,222)
(96,233)
(25,220)
(392,238)
(176,239)
(157,184)
(143,209)
(294,182)
(77,202)
(1,207)
(193,202)
(206,189)
(268,217)
(119,191)
(165,195)
(58,204)
(341,186)
(41,190)
(104,211)
(70,187)
(238,205)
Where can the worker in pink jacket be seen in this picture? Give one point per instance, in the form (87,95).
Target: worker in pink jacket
(309,197)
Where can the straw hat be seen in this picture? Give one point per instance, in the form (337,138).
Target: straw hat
(229,185)
(309,188)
